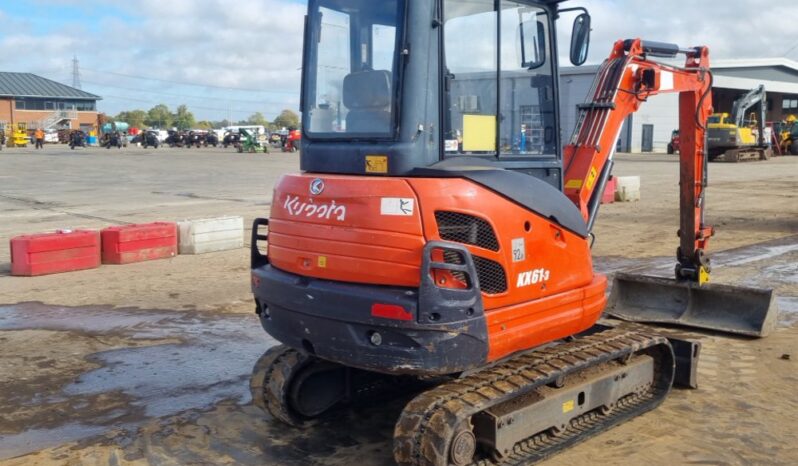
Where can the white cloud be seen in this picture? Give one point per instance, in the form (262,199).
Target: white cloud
(257,44)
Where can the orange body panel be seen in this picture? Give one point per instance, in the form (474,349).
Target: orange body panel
(551,292)
(531,324)
(339,233)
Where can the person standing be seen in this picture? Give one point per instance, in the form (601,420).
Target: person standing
(39,135)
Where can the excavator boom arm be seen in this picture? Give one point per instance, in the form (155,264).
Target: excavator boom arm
(626,80)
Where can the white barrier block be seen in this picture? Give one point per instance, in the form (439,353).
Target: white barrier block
(210,235)
(627,188)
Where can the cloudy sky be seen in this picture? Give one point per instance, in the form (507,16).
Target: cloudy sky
(234,58)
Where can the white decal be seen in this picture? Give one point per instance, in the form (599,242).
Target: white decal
(299,208)
(665,81)
(519,250)
(532,277)
(451,145)
(397,206)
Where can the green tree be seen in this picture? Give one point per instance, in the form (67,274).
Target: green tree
(257,118)
(135,118)
(287,119)
(220,124)
(204,124)
(183,118)
(159,117)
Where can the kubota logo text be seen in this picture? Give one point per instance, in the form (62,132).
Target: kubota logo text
(299,208)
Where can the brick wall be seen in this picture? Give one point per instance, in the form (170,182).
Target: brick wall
(11,115)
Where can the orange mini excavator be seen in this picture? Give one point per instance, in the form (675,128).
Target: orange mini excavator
(440,231)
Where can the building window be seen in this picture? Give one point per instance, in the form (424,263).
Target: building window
(789,104)
(85,106)
(50,105)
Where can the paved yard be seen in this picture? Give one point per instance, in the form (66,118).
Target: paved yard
(148,363)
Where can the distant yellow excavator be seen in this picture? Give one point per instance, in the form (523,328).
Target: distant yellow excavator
(732,138)
(788,134)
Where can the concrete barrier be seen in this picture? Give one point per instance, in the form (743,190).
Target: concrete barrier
(608,196)
(127,244)
(627,188)
(211,235)
(62,251)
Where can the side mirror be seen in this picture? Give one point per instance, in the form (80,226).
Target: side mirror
(533,44)
(580,39)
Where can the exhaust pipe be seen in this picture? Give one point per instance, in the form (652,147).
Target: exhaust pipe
(722,308)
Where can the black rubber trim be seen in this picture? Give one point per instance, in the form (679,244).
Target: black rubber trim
(527,191)
(256,258)
(333,321)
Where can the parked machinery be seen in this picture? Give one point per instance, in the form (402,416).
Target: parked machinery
(731,138)
(176,138)
(19,137)
(115,131)
(787,133)
(211,139)
(401,252)
(77,139)
(293,140)
(195,139)
(149,138)
(250,142)
(231,138)
(113,139)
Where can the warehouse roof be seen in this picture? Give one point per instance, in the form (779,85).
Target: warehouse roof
(755,63)
(30,85)
(723,66)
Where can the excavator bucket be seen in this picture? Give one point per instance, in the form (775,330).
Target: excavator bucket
(723,308)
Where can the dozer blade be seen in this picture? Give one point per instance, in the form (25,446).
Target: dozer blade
(723,308)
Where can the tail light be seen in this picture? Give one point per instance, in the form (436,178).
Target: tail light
(390,311)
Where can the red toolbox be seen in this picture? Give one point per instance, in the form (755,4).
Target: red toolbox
(62,251)
(136,243)
(608,196)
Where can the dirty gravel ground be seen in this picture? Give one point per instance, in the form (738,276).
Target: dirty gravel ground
(149,363)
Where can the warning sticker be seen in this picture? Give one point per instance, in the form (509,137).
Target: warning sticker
(452,145)
(568,406)
(573,184)
(376,164)
(322,262)
(397,206)
(591,178)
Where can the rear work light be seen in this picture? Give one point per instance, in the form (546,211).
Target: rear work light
(390,311)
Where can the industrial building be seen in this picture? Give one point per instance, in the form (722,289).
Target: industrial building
(42,103)
(649,129)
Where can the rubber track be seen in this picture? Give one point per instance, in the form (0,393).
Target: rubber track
(283,366)
(263,367)
(428,423)
(280,365)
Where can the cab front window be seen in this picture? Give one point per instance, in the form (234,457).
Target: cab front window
(350,69)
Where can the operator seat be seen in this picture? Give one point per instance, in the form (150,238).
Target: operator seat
(367,95)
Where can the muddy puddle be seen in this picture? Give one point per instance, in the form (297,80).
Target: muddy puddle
(169,362)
